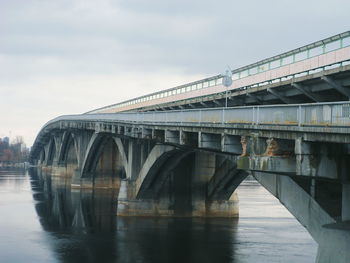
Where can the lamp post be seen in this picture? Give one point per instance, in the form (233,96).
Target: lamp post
(227,82)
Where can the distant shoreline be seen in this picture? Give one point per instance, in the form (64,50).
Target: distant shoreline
(14,165)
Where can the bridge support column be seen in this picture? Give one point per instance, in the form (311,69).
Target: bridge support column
(303,154)
(129,205)
(134,159)
(346,202)
(123,204)
(334,247)
(82,140)
(223,208)
(204,168)
(333,238)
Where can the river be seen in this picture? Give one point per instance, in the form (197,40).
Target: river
(42,220)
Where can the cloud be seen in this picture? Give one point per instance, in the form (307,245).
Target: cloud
(61,57)
(29,106)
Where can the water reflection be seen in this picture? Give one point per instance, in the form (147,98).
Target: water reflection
(82,222)
(63,208)
(176,240)
(85,229)
(43,220)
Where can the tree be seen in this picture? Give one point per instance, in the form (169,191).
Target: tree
(18,140)
(8,155)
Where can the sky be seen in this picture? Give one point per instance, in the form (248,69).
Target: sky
(68,57)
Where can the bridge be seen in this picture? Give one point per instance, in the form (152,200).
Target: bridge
(318,72)
(168,160)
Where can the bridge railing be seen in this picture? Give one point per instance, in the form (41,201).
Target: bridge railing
(304,53)
(315,114)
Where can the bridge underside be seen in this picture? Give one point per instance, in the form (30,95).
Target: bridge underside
(324,86)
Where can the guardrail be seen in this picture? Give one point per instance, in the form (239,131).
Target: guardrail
(315,114)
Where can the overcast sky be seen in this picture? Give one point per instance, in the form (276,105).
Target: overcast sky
(66,57)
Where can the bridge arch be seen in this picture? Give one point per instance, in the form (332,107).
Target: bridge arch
(187,182)
(52,150)
(160,161)
(226,179)
(42,156)
(163,185)
(68,153)
(105,158)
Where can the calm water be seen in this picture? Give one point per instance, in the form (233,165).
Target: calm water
(42,221)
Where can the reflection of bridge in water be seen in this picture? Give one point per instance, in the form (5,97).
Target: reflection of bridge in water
(63,208)
(86,229)
(189,162)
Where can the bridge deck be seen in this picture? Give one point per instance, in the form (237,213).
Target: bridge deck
(331,114)
(317,122)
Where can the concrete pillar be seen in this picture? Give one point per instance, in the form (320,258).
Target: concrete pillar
(181,188)
(42,157)
(224,208)
(129,206)
(123,191)
(106,161)
(303,155)
(204,169)
(58,137)
(82,138)
(345,214)
(134,159)
(109,167)
(313,188)
(47,153)
(122,206)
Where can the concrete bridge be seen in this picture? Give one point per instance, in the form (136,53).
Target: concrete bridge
(171,155)
(189,163)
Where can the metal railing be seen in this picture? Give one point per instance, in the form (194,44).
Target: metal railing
(312,50)
(315,114)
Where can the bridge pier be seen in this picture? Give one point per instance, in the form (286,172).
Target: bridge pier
(130,206)
(333,238)
(311,179)
(346,202)
(182,191)
(204,168)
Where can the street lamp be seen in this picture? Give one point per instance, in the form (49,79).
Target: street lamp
(227,82)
